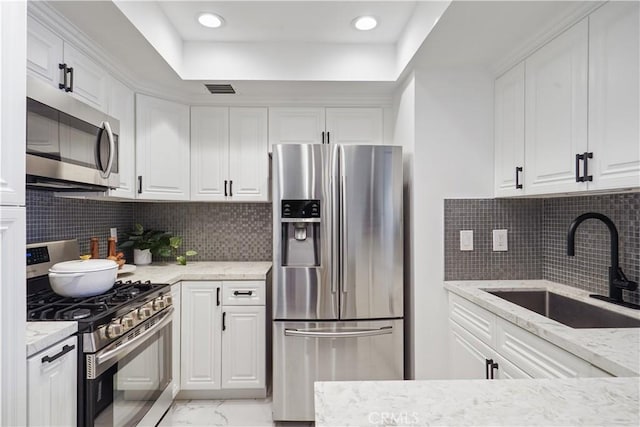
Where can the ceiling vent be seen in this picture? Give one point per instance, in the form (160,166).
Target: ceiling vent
(220,89)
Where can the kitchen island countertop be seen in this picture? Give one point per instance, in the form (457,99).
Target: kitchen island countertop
(199,270)
(542,402)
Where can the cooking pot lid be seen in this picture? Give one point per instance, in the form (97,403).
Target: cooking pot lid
(83,266)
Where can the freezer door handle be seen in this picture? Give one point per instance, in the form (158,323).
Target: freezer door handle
(324,333)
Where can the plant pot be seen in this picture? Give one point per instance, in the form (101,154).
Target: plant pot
(142,256)
(77,279)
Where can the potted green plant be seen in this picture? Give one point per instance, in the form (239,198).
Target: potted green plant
(174,243)
(146,243)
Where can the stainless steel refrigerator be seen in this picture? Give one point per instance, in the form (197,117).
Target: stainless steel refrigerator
(337,273)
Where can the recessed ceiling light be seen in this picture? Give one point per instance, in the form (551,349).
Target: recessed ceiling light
(365,23)
(210,20)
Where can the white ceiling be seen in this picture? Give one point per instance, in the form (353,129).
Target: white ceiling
(284,21)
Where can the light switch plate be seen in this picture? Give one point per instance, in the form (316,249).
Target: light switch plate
(466,240)
(113,232)
(499,240)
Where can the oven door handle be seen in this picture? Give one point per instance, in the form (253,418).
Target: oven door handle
(110,354)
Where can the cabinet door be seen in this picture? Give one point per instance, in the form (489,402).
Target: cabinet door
(209,153)
(556,112)
(355,126)
(243,347)
(468,355)
(248,155)
(122,107)
(12,104)
(52,386)
(44,53)
(175,337)
(506,370)
(200,336)
(90,80)
(296,126)
(162,149)
(614,103)
(509,132)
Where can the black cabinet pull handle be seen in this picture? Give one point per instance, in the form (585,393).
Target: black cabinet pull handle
(63,85)
(248,293)
(493,367)
(225,188)
(218,296)
(328,137)
(224,321)
(231,188)
(518,170)
(139,184)
(586,157)
(66,349)
(70,88)
(578,177)
(323,137)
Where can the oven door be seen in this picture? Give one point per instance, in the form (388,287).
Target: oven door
(125,379)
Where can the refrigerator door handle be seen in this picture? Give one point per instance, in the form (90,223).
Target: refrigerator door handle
(323,333)
(343,235)
(335,273)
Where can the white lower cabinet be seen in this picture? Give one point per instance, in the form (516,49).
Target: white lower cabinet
(52,378)
(223,346)
(483,345)
(175,339)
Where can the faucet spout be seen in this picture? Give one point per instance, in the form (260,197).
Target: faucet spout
(617,280)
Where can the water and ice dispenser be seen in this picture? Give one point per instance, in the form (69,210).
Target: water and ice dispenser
(300,222)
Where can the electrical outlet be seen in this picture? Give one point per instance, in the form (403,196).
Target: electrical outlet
(466,240)
(499,240)
(113,232)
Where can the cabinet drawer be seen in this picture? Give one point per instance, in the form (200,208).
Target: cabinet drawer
(243,293)
(538,357)
(480,322)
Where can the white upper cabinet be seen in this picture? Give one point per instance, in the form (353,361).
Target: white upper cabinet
(209,153)
(122,107)
(354,126)
(556,112)
(162,149)
(614,111)
(47,57)
(509,132)
(248,155)
(229,157)
(296,126)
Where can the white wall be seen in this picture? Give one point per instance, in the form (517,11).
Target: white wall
(453,158)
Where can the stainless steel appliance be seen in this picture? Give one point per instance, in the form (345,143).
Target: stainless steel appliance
(124,341)
(70,145)
(338,260)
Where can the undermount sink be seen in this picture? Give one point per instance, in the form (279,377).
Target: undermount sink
(568,311)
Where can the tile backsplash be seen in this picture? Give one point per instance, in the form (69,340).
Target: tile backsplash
(537,240)
(217,231)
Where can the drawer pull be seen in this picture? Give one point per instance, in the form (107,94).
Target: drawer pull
(66,349)
(247,293)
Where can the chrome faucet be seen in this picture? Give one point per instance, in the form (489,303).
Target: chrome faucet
(617,280)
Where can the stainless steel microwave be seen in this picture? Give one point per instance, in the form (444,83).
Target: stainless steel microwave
(70,145)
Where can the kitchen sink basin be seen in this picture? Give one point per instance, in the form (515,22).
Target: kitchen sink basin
(568,311)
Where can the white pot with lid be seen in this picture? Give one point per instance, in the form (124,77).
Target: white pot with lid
(83,278)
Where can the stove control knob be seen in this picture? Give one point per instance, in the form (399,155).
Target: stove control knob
(114,329)
(127,322)
(144,312)
(159,304)
(168,299)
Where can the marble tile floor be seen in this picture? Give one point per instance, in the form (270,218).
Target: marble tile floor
(232,413)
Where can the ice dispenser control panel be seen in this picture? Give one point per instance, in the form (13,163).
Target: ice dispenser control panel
(301,209)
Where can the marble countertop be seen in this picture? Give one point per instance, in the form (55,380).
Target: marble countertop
(41,335)
(199,270)
(614,350)
(543,402)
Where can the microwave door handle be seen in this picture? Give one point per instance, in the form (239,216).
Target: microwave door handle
(112,148)
(110,354)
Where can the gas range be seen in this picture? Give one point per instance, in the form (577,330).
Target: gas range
(105,317)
